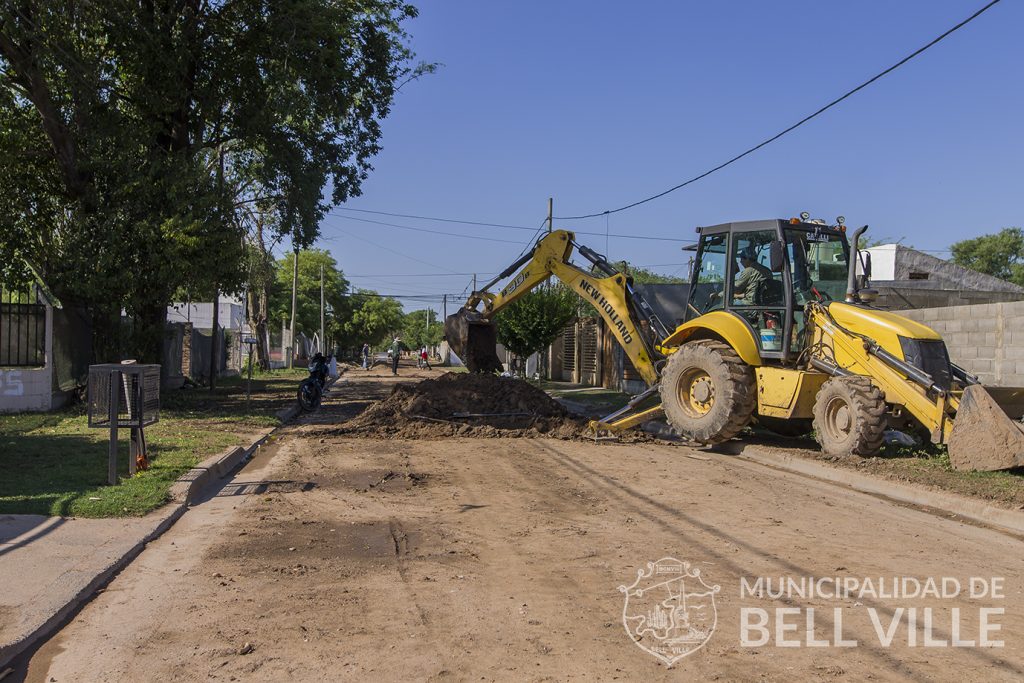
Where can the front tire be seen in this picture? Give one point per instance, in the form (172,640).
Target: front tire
(309,395)
(707,392)
(850,417)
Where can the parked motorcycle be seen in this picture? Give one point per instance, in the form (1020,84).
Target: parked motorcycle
(311,390)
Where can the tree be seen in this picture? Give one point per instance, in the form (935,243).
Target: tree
(1000,255)
(642,276)
(416,332)
(307,310)
(136,132)
(531,323)
(374,319)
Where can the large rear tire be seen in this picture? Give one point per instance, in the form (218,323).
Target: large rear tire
(850,417)
(707,391)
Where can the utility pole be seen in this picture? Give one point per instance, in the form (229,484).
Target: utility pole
(213,339)
(216,292)
(474,282)
(444,308)
(551,213)
(295,289)
(323,341)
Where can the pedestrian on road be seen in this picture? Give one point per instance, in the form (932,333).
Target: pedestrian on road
(396,353)
(425,357)
(365,353)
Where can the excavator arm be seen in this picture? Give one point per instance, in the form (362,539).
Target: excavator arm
(471,332)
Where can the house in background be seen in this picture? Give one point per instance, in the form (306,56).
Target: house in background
(907,278)
(189,339)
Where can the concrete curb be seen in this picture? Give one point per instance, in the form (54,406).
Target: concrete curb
(961,506)
(199,477)
(182,493)
(11,650)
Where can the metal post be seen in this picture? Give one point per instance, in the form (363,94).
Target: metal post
(551,212)
(213,339)
(248,382)
(474,283)
(295,288)
(323,341)
(112,412)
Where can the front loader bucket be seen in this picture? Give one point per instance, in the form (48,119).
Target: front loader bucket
(474,339)
(987,433)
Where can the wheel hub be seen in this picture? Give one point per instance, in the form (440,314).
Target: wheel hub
(696,392)
(839,418)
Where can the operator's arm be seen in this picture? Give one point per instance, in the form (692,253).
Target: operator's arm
(743,281)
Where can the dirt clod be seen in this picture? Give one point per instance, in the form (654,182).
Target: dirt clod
(467,404)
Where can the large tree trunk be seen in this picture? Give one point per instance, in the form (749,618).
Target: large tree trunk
(150,332)
(257,306)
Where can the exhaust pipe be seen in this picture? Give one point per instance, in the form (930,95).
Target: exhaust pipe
(851,276)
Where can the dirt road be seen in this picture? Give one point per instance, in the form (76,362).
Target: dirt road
(331,558)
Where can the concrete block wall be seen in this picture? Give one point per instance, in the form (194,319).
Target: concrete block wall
(987,340)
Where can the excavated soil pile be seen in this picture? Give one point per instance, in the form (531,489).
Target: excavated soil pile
(467,405)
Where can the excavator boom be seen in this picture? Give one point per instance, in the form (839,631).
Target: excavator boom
(471,333)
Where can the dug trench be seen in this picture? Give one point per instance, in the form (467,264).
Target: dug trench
(469,405)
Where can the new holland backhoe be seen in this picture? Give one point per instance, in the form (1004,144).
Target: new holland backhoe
(780,331)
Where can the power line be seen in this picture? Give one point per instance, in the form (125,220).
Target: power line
(440,220)
(423,274)
(394,251)
(505,226)
(796,125)
(434,232)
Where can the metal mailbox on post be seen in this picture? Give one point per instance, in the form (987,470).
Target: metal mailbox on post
(124,395)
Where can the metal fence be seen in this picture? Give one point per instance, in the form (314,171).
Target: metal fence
(22,331)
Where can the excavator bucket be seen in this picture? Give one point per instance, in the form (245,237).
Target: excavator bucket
(474,339)
(988,434)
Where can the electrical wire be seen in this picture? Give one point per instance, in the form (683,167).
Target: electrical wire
(433,232)
(506,226)
(440,220)
(396,252)
(793,127)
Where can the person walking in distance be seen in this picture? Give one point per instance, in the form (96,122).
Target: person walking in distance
(425,357)
(365,353)
(396,352)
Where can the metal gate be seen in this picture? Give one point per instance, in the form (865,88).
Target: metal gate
(590,351)
(569,353)
(22,330)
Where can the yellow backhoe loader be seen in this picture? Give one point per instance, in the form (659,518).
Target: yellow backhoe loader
(779,330)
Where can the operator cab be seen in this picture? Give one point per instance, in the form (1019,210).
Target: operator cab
(764,272)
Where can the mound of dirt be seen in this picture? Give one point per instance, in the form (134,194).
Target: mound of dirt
(467,405)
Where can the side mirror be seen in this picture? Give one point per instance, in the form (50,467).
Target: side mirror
(867,264)
(776,256)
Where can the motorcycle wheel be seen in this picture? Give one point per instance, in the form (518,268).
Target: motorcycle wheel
(309,396)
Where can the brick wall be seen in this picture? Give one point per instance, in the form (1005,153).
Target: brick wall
(985,339)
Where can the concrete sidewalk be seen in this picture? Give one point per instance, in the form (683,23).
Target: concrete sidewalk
(49,564)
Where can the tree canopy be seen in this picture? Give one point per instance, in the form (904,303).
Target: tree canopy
(416,332)
(643,276)
(1000,255)
(307,311)
(531,323)
(139,137)
(374,319)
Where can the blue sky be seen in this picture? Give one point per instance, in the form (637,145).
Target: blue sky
(598,104)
